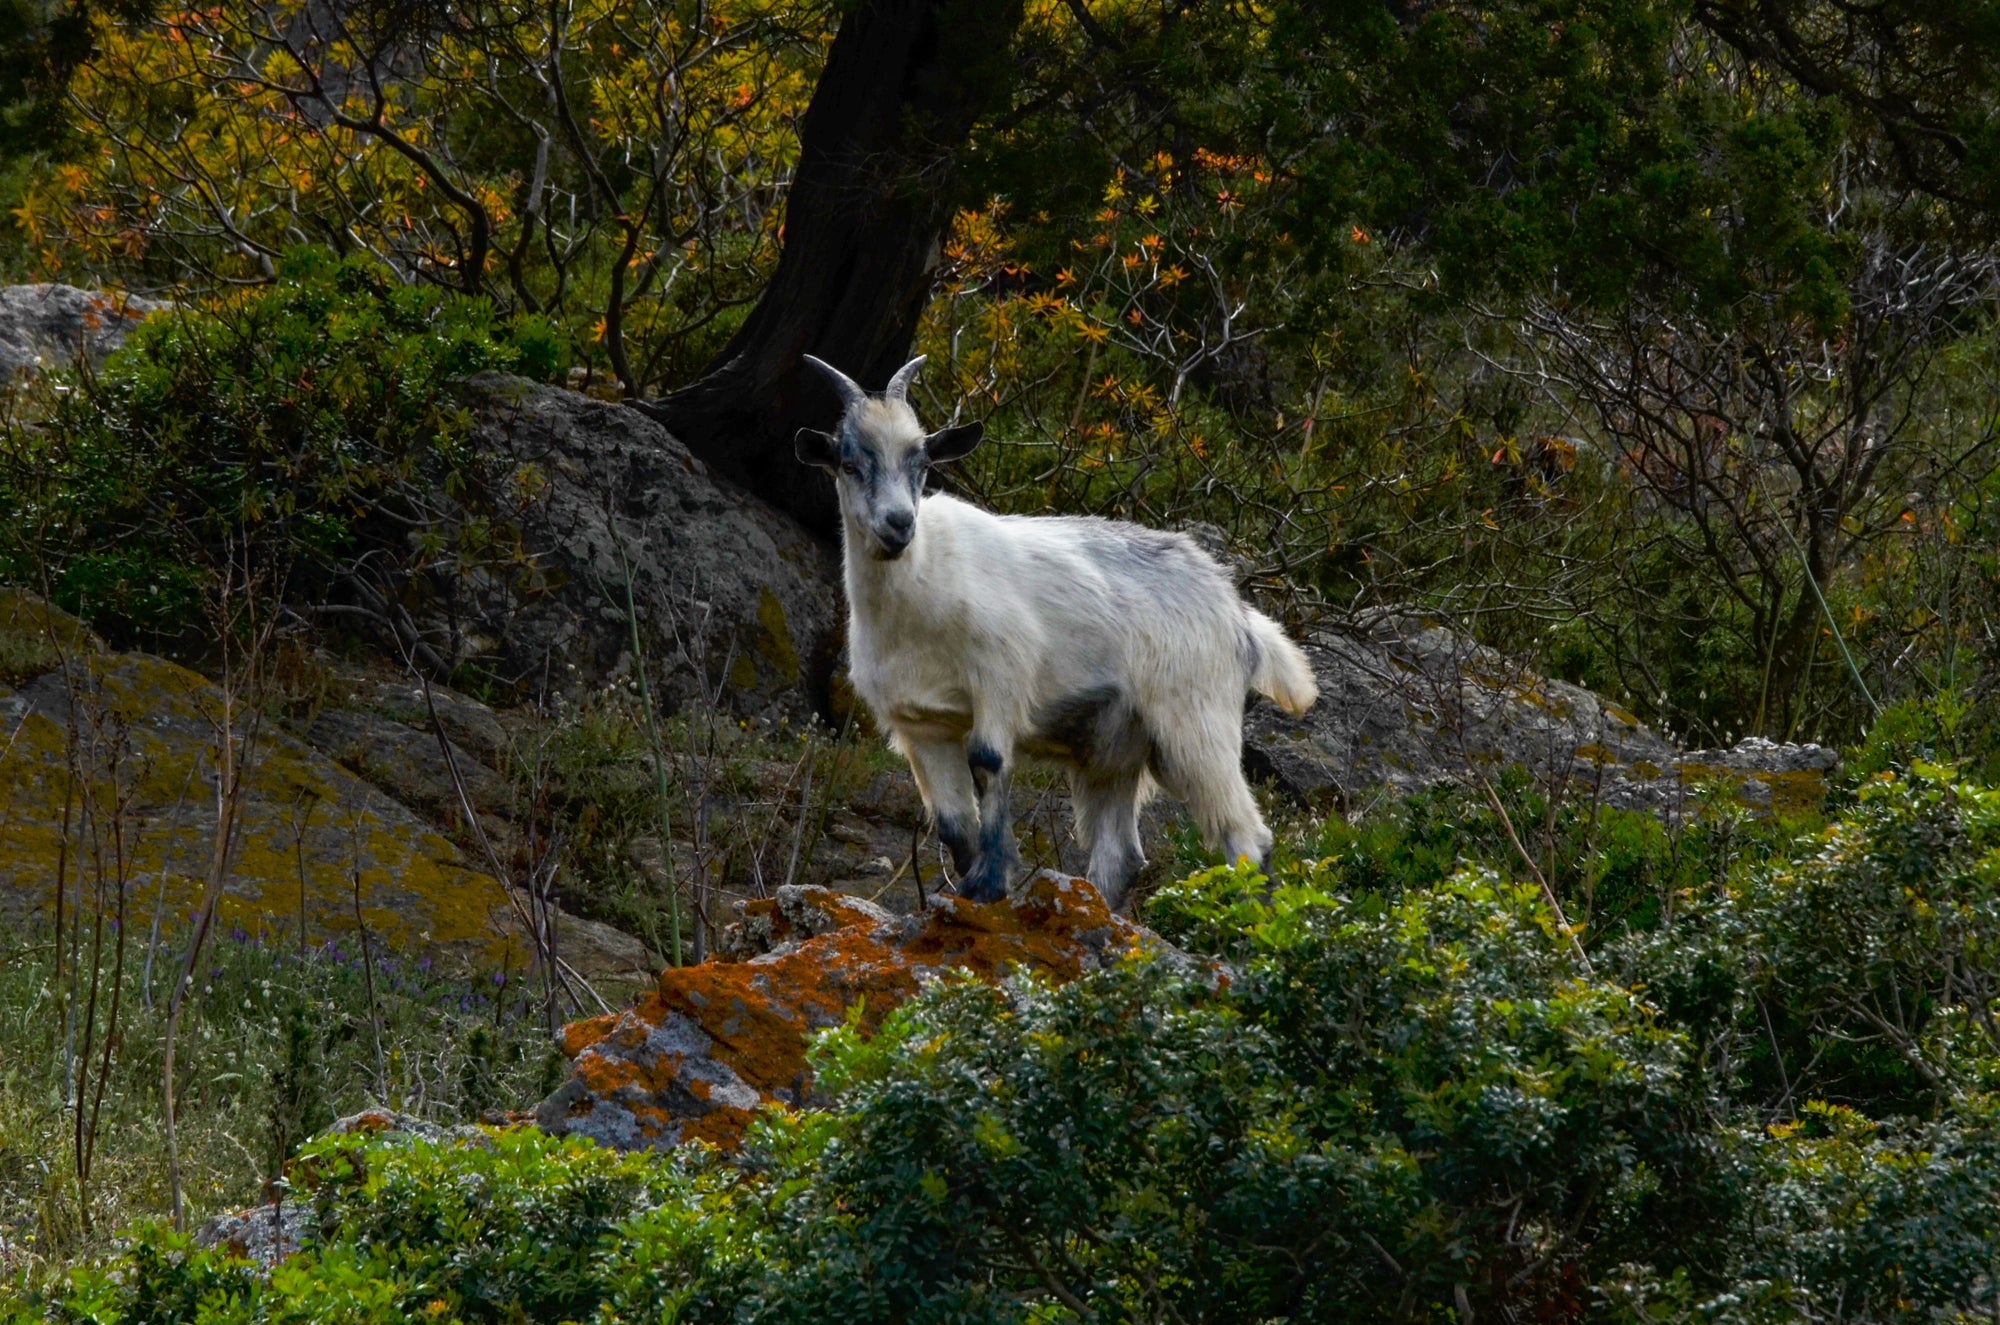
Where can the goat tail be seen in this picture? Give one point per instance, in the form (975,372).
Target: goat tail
(1278,667)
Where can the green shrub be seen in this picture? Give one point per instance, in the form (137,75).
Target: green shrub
(1612,869)
(1844,1219)
(511,1226)
(520,1226)
(1389,1108)
(1862,968)
(284,432)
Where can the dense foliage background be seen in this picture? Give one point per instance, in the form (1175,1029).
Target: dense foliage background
(1653,341)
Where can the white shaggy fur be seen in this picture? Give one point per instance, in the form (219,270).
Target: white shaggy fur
(976,638)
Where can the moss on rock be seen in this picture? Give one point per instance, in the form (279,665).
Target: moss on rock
(128,743)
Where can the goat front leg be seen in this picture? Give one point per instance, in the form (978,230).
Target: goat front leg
(945,782)
(991,762)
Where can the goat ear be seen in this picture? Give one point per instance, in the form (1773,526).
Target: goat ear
(954,443)
(814,447)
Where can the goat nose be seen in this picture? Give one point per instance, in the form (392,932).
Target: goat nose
(901,522)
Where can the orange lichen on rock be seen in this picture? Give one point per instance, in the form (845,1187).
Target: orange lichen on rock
(713,1043)
(579,1034)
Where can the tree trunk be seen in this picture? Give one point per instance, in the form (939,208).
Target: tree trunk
(903,86)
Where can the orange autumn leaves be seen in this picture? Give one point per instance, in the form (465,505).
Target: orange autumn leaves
(1129,309)
(524,150)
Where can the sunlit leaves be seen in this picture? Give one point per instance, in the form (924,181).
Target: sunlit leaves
(527,151)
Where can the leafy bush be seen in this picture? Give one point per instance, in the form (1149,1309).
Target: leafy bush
(283,433)
(1418,1103)
(512,1226)
(1611,869)
(519,1226)
(1391,1106)
(1860,968)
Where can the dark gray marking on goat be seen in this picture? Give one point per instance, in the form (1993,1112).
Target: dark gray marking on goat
(956,834)
(1098,727)
(1147,555)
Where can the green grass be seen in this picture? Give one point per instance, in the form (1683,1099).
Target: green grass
(272,1048)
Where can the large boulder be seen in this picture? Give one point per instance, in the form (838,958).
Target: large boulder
(728,592)
(1406,702)
(404,759)
(122,748)
(51,326)
(711,1044)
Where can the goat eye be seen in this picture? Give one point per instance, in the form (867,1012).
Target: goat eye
(849,468)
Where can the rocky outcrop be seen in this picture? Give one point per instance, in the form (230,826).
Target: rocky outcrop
(723,586)
(121,749)
(50,326)
(381,727)
(404,759)
(1765,777)
(263,1234)
(712,1043)
(1405,703)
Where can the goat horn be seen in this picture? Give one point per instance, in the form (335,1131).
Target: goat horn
(899,385)
(850,390)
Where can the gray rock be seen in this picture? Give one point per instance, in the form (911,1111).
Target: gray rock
(1766,777)
(396,1126)
(48,326)
(262,1235)
(471,725)
(405,761)
(723,586)
(1406,703)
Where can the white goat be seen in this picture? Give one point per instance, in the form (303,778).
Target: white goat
(975,638)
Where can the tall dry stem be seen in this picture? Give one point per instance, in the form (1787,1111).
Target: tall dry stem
(237,725)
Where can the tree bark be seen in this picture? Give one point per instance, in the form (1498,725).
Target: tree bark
(904,84)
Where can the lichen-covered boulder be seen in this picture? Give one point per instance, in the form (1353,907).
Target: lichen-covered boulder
(712,1043)
(405,760)
(107,785)
(1763,776)
(51,326)
(1406,702)
(721,583)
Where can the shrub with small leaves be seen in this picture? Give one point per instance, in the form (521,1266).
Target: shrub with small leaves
(288,431)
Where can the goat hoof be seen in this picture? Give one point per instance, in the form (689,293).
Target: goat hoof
(984,883)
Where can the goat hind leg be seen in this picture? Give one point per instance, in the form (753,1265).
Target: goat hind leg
(1203,765)
(1107,819)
